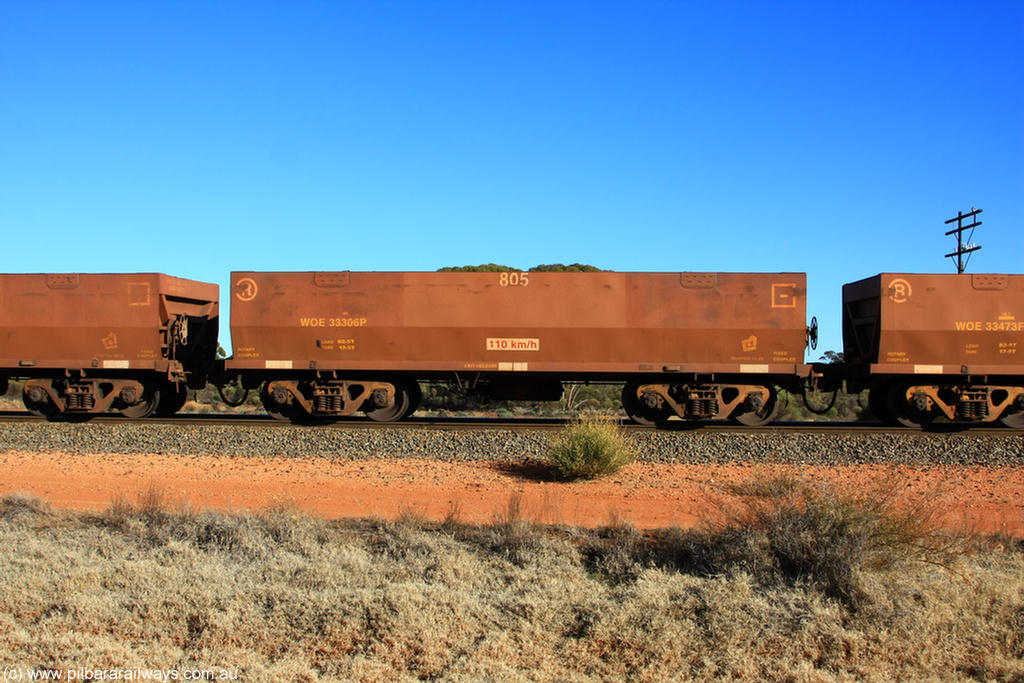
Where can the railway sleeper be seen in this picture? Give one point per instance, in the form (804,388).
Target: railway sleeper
(750,403)
(974,403)
(53,397)
(287,399)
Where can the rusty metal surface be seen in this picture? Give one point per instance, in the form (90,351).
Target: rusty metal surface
(935,324)
(603,322)
(99,322)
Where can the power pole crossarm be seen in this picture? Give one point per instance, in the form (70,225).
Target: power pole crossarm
(961,249)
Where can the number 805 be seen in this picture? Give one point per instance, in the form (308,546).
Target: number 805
(513,279)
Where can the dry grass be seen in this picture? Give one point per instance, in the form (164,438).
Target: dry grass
(801,530)
(793,531)
(283,596)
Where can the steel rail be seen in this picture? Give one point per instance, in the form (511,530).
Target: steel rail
(518,424)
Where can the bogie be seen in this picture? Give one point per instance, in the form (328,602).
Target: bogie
(314,399)
(656,403)
(919,405)
(82,397)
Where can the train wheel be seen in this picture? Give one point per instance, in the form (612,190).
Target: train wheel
(276,410)
(1014,421)
(904,413)
(639,412)
(38,403)
(768,412)
(402,406)
(878,404)
(415,398)
(172,398)
(147,406)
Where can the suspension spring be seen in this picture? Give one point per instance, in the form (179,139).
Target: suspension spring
(328,403)
(701,407)
(972,410)
(973,405)
(79,399)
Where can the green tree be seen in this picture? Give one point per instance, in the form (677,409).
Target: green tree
(482,268)
(543,268)
(562,268)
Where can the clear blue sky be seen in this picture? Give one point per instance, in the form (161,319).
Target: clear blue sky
(198,137)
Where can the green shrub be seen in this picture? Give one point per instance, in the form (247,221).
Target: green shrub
(589,448)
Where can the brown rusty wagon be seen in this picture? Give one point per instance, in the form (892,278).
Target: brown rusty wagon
(693,345)
(88,343)
(928,345)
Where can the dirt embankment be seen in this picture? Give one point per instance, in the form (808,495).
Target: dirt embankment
(648,495)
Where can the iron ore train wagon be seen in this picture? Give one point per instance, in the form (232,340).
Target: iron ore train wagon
(695,345)
(929,346)
(88,343)
(698,346)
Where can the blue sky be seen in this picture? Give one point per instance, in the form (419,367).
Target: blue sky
(198,137)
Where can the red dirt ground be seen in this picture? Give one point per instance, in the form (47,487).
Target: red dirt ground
(647,495)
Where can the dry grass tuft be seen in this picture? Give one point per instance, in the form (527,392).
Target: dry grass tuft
(785,529)
(16,508)
(413,516)
(153,503)
(119,512)
(590,447)
(802,530)
(453,517)
(512,534)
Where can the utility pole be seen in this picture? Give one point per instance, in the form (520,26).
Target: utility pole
(961,249)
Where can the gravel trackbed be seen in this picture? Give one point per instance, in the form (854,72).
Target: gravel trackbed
(481,475)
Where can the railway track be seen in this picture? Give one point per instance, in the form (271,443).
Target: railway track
(478,467)
(539,424)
